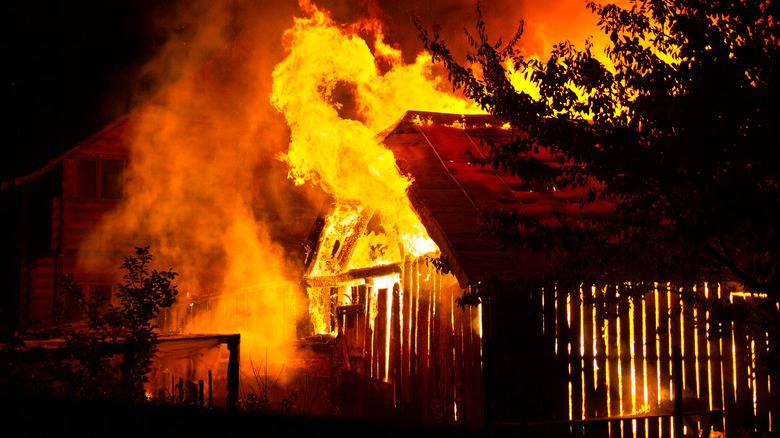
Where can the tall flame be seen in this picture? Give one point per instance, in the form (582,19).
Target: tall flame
(341,154)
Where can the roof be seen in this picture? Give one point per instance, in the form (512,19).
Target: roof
(448,192)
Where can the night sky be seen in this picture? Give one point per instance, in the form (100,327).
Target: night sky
(69,68)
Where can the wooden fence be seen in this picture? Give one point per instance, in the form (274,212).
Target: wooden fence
(621,373)
(420,342)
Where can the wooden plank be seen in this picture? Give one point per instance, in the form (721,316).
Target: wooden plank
(589,379)
(626,394)
(380,333)
(676,340)
(729,387)
(664,356)
(703,358)
(602,410)
(368,355)
(614,371)
(744,395)
(414,387)
(690,387)
(575,359)
(446,354)
(457,340)
(475,405)
(395,347)
(563,341)
(406,295)
(716,383)
(761,383)
(588,357)
(468,364)
(422,338)
(434,357)
(639,362)
(651,360)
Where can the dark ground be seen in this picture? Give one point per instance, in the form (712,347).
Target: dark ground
(65,418)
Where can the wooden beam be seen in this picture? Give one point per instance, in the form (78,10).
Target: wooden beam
(354,275)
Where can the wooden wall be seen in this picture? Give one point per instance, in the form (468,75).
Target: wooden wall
(625,366)
(433,358)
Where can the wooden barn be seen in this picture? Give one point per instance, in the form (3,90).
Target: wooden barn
(537,360)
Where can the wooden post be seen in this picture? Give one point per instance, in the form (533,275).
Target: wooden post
(459,368)
(446,353)
(395,347)
(614,370)
(575,359)
(589,382)
(664,358)
(625,367)
(406,293)
(563,340)
(744,408)
(639,363)
(211,395)
(602,410)
(677,370)
(368,347)
(200,394)
(380,340)
(234,347)
(651,360)
(422,339)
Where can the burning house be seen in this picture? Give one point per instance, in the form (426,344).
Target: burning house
(386,301)
(541,359)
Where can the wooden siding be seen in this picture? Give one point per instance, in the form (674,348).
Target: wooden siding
(629,366)
(433,359)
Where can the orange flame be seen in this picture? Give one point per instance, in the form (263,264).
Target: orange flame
(341,154)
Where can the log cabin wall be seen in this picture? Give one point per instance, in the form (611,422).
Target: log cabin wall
(579,367)
(420,342)
(92,184)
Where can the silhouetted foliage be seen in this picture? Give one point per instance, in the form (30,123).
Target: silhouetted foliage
(680,133)
(110,355)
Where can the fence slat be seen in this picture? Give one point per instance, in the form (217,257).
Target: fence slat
(591,406)
(761,384)
(651,360)
(563,339)
(744,408)
(639,363)
(626,395)
(690,387)
(664,357)
(575,360)
(729,385)
(614,371)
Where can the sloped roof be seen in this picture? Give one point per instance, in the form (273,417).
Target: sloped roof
(448,192)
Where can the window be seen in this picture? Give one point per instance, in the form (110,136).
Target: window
(111,179)
(99,179)
(86,184)
(99,294)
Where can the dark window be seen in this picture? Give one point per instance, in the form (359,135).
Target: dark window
(86,181)
(111,179)
(102,179)
(94,294)
(100,294)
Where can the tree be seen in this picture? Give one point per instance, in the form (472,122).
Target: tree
(680,132)
(110,356)
(127,329)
